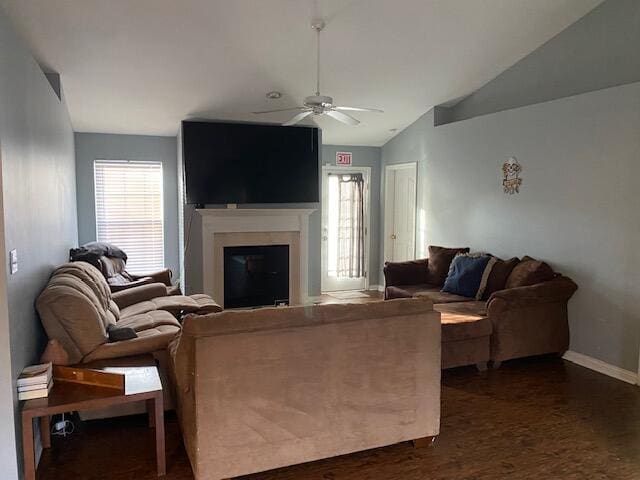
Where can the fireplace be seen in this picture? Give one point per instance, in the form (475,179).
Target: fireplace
(256,275)
(240,227)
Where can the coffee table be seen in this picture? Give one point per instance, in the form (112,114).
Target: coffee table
(141,384)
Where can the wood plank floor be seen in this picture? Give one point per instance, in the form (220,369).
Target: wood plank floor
(540,418)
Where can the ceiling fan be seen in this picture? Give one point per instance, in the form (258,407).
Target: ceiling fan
(321,104)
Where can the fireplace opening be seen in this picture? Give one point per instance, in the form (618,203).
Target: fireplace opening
(256,276)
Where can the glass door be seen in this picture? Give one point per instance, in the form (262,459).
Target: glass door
(345,220)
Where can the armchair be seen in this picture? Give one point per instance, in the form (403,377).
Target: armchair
(118,278)
(112,263)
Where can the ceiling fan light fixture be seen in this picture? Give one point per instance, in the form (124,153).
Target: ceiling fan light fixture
(319,104)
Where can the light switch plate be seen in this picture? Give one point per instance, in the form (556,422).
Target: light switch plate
(13,261)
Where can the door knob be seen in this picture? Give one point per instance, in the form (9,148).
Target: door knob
(393,236)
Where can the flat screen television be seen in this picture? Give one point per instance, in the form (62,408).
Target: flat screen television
(248,163)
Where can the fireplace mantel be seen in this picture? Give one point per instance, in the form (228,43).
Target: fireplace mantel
(256,226)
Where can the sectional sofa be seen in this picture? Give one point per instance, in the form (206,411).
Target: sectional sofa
(523,311)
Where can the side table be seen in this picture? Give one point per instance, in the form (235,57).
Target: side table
(141,383)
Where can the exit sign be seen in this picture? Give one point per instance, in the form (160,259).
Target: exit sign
(344,158)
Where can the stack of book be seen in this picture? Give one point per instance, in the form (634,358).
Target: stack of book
(35,381)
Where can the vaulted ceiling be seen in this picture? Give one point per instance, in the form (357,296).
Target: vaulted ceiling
(142,66)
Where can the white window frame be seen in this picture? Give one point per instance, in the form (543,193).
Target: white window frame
(95,187)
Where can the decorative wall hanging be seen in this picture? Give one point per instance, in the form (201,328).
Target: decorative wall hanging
(511,181)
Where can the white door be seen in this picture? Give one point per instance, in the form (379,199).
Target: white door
(400,212)
(345,242)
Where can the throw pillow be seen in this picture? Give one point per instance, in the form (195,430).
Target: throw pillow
(499,274)
(412,272)
(468,275)
(529,272)
(439,262)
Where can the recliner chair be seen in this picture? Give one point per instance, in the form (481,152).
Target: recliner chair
(112,263)
(115,272)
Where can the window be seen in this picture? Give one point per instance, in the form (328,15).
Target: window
(129,210)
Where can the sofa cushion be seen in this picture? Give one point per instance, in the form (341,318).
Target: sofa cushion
(499,274)
(412,290)
(463,321)
(437,297)
(425,291)
(148,341)
(139,293)
(137,309)
(392,292)
(439,261)
(145,321)
(529,272)
(412,272)
(468,275)
(206,304)
(198,303)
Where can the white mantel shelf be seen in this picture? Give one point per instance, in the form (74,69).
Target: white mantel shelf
(252,212)
(255,220)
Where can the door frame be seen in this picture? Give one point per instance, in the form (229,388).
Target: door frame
(387,227)
(366,172)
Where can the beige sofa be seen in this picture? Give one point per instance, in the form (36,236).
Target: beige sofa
(77,310)
(267,388)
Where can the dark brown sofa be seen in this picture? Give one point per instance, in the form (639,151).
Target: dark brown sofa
(509,323)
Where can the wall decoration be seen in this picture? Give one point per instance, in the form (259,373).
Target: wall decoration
(511,180)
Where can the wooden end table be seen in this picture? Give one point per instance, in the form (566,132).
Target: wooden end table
(141,383)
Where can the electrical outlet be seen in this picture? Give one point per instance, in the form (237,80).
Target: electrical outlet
(13,261)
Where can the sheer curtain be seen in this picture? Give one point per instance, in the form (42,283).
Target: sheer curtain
(351,226)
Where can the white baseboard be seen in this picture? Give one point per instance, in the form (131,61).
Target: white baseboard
(601,367)
(379,288)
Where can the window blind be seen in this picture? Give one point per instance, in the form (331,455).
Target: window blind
(129,211)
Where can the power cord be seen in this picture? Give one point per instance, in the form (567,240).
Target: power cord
(63,427)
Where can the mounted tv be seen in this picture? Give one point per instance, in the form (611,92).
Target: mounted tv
(248,163)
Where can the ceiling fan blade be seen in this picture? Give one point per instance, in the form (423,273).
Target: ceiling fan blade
(297,118)
(342,117)
(358,109)
(280,110)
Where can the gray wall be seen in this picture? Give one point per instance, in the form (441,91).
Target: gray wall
(39,209)
(578,208)
(598,51)
(98,146)
(362,157)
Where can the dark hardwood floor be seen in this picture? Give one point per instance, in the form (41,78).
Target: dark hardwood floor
(539,418)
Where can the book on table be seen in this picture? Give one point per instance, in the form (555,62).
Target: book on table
(40,392)
(35,381)
(35,375)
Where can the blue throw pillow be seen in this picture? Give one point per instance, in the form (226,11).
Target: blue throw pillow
(468,275)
